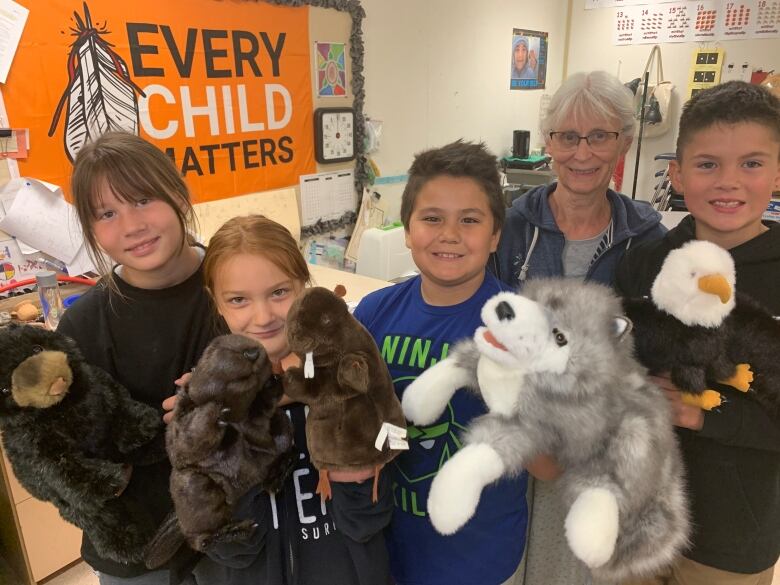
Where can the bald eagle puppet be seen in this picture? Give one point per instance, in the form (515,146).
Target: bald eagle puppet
(689,324)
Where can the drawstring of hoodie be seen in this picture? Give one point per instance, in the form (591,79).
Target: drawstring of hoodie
(524,268)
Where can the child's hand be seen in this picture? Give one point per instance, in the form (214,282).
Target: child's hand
(185,379)
(168,405)
(285,400)
(683,415)
(170,402)
(127,470)
(291,360)
(544,467)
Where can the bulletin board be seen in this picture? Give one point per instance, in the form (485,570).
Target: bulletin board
(244,71)
(225,87)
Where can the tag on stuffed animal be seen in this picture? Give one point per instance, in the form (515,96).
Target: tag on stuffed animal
(308,366)
(393,435)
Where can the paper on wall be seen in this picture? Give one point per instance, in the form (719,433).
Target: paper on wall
(81,264)
(13,265)
(36,213)
(326,196)
(371,215)
(13,17)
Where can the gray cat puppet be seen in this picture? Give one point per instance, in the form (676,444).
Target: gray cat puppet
(556,371)
(226,436)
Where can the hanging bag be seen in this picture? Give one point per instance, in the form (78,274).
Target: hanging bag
(659,97)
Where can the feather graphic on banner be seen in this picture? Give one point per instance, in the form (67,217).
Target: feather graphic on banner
(100,94)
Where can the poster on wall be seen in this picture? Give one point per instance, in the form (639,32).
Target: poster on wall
(224,89)
(330,69)
(528,65)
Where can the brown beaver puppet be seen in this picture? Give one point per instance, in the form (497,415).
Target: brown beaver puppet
(226,436)
(355,420)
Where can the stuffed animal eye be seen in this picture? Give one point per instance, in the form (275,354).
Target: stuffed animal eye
(37,349)
(251,354)
(5,391)
(325,319)
(560,338)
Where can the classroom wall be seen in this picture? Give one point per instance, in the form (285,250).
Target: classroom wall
(591,47)
(438,70)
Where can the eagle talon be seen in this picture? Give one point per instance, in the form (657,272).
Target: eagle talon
(707,400)
(741,378)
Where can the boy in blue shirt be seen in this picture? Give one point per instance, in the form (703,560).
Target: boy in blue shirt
(728,164)
(452,210)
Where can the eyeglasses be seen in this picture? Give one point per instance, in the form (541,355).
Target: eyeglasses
(597,140)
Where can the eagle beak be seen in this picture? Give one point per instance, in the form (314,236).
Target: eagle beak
(716,284)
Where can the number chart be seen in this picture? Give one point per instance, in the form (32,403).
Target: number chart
(705,19)
(639,22)
(737,15)
(768,18)
(624,22)
(768,12)
(678,18)
(652,21)
(677,24)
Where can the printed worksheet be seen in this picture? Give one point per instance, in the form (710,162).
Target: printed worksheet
(326,196)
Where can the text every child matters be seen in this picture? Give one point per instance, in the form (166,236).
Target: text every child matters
(213,54)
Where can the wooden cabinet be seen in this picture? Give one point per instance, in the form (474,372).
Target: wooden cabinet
(35,540)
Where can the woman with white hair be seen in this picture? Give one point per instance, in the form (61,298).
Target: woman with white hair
(578,226)
(575,227)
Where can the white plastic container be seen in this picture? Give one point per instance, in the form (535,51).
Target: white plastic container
(383,254)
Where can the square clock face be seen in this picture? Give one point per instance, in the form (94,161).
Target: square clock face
(334,139)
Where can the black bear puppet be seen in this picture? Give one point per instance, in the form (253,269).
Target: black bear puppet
(72,434)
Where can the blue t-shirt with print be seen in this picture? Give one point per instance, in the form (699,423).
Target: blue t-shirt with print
(412,336)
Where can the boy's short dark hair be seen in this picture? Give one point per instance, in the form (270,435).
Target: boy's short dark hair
(732,102)
(457,159)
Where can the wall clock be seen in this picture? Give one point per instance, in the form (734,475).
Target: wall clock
(334,134)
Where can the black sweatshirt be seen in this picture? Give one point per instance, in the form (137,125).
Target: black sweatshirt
(733,463)
(145,339)
(300,542)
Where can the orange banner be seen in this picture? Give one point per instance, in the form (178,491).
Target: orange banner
(223,87)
